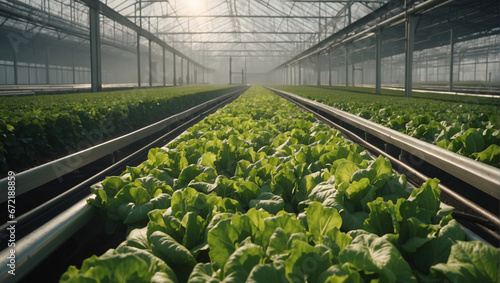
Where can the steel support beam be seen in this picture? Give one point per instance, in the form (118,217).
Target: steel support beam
(238,42)
(378,62)
(107,11)
(230,70)
(300,72)
(410,41)
(346,61)
(73,71)
(138,59)
(294,74)
(175,70)
(234,32)
(343,37)
(181,80)
(330,68)
(188,79)
(318,81)
(47,64)
(14,57)
(95,50)
(452,47)
(164,66)
(150,68)
(237,16)
(352,68)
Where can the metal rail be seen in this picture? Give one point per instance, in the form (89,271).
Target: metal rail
(41,242)
(35,177)
(480,175)
(33,249)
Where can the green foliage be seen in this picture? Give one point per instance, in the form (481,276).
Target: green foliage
(301,205)
(470,127)
(43,127)
(470,262)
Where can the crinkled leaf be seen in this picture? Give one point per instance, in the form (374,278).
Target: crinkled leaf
(169,250)
(269,202)
(437,250)
(383,219)
(372,254)
(242,261)
(471,262)
(322,219)
(203,273)
(344,171)
(270,272)
(340,274)
(306,262)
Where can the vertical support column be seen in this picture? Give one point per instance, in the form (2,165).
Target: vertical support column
(242,76)
(285,75)
(203,75)
(452,43)
(318,82)
(290,71)
(300,72)
(164,67)
(486,79)
(14,57)
(352,67)
(175,70)
(294,74)
(138,59)
(475,66)
(150,57)
(188,79)
(330,68)
(230,70)
(427,67)
(181,79)
(73,71)
(410,40)
(378,62)
(47,62)
(95,50)
(346,65)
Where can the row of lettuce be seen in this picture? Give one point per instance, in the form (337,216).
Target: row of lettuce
(39,128)
(470,129)
(262,192)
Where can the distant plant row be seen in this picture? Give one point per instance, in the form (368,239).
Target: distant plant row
(469,129)
(36,129)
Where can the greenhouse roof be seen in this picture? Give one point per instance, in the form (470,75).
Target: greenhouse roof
(261,31)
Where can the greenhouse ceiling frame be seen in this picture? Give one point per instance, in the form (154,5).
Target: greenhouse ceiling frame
(44,19)
(97,7)
(230,24)
(390,15)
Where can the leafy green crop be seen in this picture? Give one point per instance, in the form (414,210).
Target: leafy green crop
(261,192)
(34,129)
(469,129)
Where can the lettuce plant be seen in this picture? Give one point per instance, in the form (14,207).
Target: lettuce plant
(261,192)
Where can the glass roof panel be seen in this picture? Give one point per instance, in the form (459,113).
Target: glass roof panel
(266,31)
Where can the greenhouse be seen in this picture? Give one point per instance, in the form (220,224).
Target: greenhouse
(250,141)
